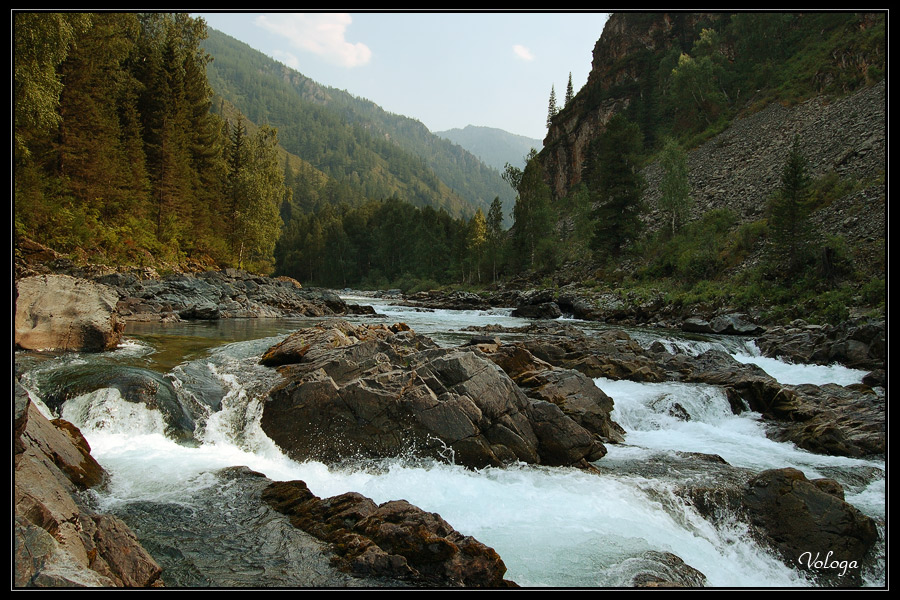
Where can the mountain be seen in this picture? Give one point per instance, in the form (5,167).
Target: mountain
(687,75)
(493,146)
(366,151)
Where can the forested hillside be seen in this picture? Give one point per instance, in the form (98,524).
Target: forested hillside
(369,152)
(721,159)
(125,154)
(117,155)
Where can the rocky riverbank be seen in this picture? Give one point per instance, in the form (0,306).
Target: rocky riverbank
(858,343)
(60,540)
(74,313)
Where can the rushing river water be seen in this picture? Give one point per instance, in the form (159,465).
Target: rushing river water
(552,526)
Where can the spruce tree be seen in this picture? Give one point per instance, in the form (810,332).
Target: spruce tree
(495,233)
(612,175)
(789,225)
(570,91)
(553,109)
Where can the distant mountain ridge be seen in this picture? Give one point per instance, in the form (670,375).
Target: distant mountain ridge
(366,151)
(495,147)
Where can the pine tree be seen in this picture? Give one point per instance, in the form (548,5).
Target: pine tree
(570,91)
(92,147)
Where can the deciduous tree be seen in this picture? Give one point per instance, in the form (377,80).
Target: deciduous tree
(675,186)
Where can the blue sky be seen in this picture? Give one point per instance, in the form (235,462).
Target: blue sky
(446,69)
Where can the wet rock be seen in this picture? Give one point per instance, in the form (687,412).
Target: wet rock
(727,324)
(832,419)
(456,300)
(545,310)
(58,312)
(133,384)
(798,519)
(857,343)
(224,535)
(828,419)
(801,522)
(394,539)
(661,570)
(611,354)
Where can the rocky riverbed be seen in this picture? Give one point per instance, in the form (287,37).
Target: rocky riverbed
(484,403)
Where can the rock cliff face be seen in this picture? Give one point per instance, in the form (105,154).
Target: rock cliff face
(740,168)
(585,118)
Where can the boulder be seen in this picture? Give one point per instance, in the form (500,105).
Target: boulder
(395,539)
(805,523)
(654,569)
(857,344)
(612,354)
(828,419)
(728,324)
(735,324)
(832,419)
(809,526)
(59,542)
(544,310)
(58,312)
(377,392)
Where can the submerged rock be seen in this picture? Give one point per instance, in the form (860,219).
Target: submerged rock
(224,535)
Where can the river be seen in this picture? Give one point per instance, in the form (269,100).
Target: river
(553,527)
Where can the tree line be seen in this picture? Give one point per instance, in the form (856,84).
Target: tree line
(391,243)
(118,156)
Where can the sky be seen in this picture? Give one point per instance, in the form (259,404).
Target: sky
(445,69)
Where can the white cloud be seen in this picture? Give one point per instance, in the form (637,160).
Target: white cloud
(523,52)
(322,34)
(286,58)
